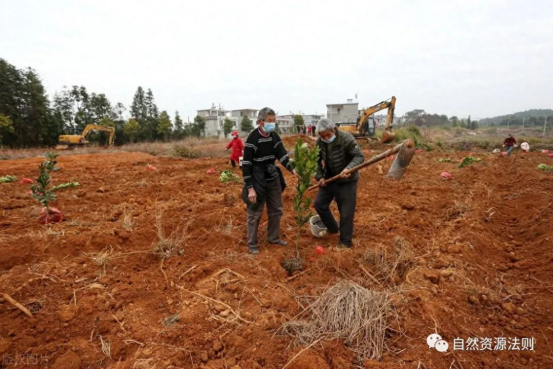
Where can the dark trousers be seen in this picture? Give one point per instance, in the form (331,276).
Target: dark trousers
(274,211)
(346,196)
(233,163)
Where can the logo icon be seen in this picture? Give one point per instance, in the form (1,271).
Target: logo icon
(435,341)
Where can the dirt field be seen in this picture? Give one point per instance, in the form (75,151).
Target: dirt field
(476,262)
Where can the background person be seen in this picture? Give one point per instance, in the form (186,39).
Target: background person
(237,146)
(510,143)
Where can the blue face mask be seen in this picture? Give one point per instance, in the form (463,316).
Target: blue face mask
(330,140)
(269,127)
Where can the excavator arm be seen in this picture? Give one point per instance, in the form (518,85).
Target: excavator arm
(389,104)
(95,127)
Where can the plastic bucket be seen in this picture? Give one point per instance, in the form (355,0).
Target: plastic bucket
(317,228)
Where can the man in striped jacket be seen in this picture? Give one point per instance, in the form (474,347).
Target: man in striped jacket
(263,180)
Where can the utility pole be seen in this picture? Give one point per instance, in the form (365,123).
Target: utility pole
(544,124)
(509,122)
(522,122)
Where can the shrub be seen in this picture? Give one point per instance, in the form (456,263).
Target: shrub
(185,152)
(414,130)
(405,133)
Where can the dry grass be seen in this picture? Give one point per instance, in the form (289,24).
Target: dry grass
(102,259)
(225,226)
(459,210)
(169,245)
(389,264)
(144,364)
(349,312)
(128,221)
(106,347)
(202,146)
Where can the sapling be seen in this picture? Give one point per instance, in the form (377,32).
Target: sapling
(45,195)
(545,167)
(305,165)
(8,179)
(468,160)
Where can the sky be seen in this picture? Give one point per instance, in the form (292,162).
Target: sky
(455,57)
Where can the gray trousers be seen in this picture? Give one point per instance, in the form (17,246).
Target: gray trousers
(345,195)
(274,211)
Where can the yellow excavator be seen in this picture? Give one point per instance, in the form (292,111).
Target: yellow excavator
(66,142)
(363,129)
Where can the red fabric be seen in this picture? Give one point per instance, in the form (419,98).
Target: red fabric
(48,217)
(509,141)
(237,148)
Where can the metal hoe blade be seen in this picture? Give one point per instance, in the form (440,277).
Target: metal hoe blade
(401,162)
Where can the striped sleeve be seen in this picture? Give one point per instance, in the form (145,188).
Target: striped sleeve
(249,150)
(281,153)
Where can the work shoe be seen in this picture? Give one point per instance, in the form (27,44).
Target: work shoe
(279,242)
(342,245)
(253,250)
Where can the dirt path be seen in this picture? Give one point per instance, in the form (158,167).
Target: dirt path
(476,263)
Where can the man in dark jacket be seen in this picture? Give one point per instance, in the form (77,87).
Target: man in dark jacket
(263,180)
(338,152)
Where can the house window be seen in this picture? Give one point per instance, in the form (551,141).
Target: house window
(241,113)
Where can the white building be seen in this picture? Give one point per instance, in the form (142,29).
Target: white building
(285,123)
(311,119)
(347,112)
(214,118)
(239,114)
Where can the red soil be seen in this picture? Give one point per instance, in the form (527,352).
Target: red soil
(481,266)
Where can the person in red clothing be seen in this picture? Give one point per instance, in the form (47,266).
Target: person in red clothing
(237,146)
(510,143)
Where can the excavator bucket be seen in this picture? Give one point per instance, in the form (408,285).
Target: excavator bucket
(402,160)
(387,137)
(62,147)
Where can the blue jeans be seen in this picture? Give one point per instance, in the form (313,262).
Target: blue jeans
(509,149)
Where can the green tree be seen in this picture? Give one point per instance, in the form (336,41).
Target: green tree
(23,99)
(6,126)
(64,110)
(228,125)
(277,128)
(298,121)
(179,126)
(165,126)
(198,128)
(119,109)
(151,107)
(149,129)
(107,122)
(131,129)
(139,109)
(100,107)
(412,116)
(246,125)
